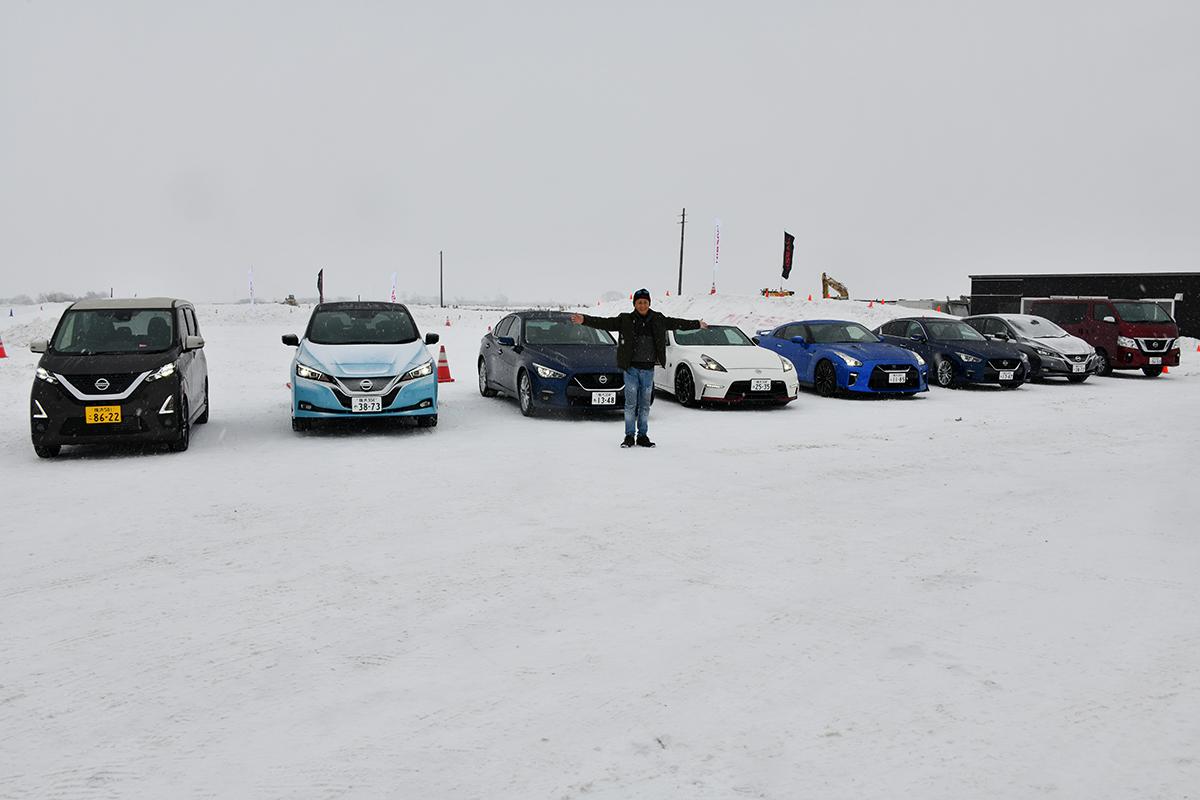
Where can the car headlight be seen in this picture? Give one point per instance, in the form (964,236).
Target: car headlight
(850,361)
(967,358)
(1025,357)
(920,361)
(1041,351)
(44,375)
(165,371)
(546,372)
(711,364)
(787,365)
(312,374)
(1125,341)
(418,372)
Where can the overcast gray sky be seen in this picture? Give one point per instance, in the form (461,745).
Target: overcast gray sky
(168,147)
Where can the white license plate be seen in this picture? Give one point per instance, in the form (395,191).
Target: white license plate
(1006,374)
(1155,359)
(760,385)
(604,398)
(897,377)
(1077,368)
(366,404)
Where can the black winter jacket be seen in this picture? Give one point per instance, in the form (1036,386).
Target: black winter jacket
(623,325)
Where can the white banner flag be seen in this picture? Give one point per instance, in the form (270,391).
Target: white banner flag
(251,286)
(393,287)
(716,256)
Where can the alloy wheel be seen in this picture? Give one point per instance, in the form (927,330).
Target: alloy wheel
(484,390)
(825,379)
(525,394)
(685,387)
(945,373)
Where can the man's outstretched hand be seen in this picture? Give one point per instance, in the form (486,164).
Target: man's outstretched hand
(577,319)
(703,324)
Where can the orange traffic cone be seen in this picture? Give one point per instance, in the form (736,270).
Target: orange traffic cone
(1166,369)
(1198,347)
(447,322)
(810,297)
(444,367)
(870,304)
(2,353)
(938,309)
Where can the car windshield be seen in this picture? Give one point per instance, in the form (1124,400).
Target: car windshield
(952,330)
(840,333)
(1142,312)
(556,332)
(361,326)
(713,336)
(1038,328)
(115,330)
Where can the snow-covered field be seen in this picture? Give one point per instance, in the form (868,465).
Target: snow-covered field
(970,594)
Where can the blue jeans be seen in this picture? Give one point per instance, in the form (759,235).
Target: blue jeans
(639,388)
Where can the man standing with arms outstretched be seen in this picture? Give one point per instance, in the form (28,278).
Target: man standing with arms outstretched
(641,343)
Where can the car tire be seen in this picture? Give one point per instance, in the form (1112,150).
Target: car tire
(1077,378)
(825,378)
(203,418)
(47,450)
(301,424)
(184,437)
(1035,369)
(943,373)
(685,387)
(1152,372)
(1103,365)
(525,394)
(484,389)
(427,421)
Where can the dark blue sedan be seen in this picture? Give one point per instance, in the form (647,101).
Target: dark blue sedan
(835,356)
(957,353)
(546,362)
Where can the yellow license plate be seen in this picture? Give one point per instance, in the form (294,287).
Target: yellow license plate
(101,415)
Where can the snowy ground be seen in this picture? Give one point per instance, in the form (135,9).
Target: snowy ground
(971,594)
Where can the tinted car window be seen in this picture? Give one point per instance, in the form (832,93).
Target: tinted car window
(502,328)
(1062,313)
(952,330)
(716,335)
(912,328)
(192,328)
(551,331)
(1102,310)
(117,330)
(992,326)
(361,326)
(840,332)
(1142,312)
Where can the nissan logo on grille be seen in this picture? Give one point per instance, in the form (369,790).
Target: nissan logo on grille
(603,379)
(366,385)
(102,384)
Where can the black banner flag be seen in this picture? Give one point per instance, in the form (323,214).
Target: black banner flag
(789,242)
(321,286)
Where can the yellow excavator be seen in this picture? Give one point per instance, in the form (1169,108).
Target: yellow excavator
(829,284)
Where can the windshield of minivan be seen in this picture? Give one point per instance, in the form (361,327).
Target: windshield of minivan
(952,330)
(1038,328)
(713,336)
(1142,312)
(556,332)
(840,333)
(362,326)
(115,330)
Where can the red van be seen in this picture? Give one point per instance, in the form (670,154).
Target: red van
(1127,334)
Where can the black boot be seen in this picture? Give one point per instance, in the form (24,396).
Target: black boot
(628,442)
(644,441)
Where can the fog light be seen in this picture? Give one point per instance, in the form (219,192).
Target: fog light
(428,403)
(168,406)
(41,412)
(306,406)
(712,386)
(852,379)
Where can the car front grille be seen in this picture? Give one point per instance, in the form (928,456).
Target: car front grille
(1154,345)
(387,399)
(117,383)
(1004,363)
(740,390)
(355,384)
(1077,359)
(880,377)
(600,381)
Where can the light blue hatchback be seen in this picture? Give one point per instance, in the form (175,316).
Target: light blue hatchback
(362,360)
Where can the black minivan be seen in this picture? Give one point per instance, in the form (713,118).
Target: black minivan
(120,371)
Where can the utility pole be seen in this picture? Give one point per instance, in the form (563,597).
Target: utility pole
(441,281)
(682,226)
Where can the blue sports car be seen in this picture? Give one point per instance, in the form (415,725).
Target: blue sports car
(836,356)
(959,353)
(545,361)
(362,360)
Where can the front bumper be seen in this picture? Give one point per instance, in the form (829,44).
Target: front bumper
(57,418)
(733,387)
(1064,366)
(986,372)
(873,377)
(319,400)
(579,391)
(1132,358)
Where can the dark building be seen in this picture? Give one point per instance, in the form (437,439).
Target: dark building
(1177,292)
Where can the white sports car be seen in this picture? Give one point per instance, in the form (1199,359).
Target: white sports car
(720,364)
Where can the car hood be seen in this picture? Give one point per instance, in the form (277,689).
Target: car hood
(362,360)
(874,351)
(1067,345)
(1149,330)
(729,356)
(981,349)
(125,363)
(575,357)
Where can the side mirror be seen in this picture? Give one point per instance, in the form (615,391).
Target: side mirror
(39,346)
(292,340)
(1110,319)
(432,338)
(797,340)
(506,341)
(193,342)
(754,339)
